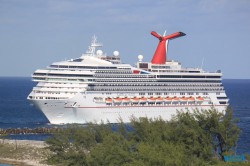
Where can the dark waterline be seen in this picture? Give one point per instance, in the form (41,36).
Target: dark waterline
(16,111)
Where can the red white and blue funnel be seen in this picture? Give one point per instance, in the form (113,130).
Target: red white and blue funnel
(160,56)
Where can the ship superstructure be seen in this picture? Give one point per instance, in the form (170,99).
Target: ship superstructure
(96,87)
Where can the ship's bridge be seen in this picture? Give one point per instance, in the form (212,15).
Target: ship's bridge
(168,66)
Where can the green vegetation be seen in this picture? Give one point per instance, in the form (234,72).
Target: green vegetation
(200,138)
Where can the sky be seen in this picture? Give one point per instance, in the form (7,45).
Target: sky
(36,33)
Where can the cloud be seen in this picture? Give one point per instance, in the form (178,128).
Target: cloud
(210,6)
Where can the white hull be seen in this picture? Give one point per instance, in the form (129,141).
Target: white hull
(58,112)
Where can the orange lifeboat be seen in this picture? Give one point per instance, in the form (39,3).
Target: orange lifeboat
(191,98)
(200,98)
(151,99)
(143,99)
(126,100)
(117,100)
(108,100)
(159,99)
(176,98)
(168,98)
(184,98)
(135,99)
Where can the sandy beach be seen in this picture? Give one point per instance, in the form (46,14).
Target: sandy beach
(22,152)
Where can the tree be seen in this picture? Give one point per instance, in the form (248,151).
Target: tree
(187,139)
(221,127)
(227,133)
(187,130)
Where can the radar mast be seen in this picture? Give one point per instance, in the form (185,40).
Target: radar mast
(92,48)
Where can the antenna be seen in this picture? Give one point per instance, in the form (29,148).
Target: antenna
(202,62)
(164,34)
(93,46)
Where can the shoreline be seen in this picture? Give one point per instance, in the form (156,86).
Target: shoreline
(22,152)
(17,162)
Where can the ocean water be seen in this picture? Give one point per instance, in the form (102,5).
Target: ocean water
(16,111)
(238,92)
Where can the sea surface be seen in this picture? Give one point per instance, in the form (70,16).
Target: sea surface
(17,112)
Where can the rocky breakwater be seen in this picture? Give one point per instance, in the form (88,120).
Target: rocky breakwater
(40,130)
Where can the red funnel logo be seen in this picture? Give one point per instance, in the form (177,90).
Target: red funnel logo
(160,55)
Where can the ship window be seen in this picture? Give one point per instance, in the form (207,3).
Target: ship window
(213,76)
(77,60)
(221,97)
(194,71)
(62,66)
(223,102)
(40,74)
(143,65)
(55,66)
(190,93)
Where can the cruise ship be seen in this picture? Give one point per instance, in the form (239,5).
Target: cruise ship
(99,88)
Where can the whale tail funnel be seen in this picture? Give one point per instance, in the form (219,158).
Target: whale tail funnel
(160,56)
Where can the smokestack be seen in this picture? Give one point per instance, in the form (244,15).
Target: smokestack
(160,56)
